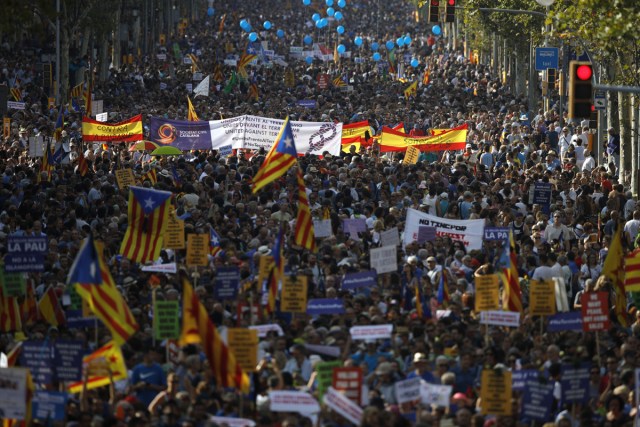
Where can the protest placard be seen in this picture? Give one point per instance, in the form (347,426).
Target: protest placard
(384,259)
(197,250)
(495,392)
(325,375)
(500,318)
(411,156)
(435,395)
(13,393)
(542,298)
(570,321)
(496,233)
(244,345)
(125,178)
(49,405)
(595,311)
(537,399)
(166,320)
(348,381)
(68,359)
(322,228)
(520,377)
(487,292)
(574,382)
(293,298)
(264,267)
(343,406)
(390,237)
(363,279)
(174,233)
(293,401)
(38,357)
(13,284)
(408,390)
(371,332)
(227,282)
(320,306)
(263,330)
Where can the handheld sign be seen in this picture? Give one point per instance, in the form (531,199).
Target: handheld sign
(384,259)
(495,392)
(293,298)
(166,316)
(244,345)
(125,178)
(197,250)
(595,311)
(542,298)
(174,233)
(487,292)
(348,381)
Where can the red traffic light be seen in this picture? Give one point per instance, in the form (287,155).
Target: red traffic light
(584,72)
(435,2)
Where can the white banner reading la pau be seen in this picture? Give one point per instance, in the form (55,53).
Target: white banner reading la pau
(255,132)
(470,232)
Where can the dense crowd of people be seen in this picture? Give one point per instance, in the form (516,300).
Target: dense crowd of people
(509,149)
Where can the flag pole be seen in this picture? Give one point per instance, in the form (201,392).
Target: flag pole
(154,319)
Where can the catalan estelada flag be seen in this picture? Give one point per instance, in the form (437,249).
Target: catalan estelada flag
(151,175)
(10,317)
(83,164)
(443,289)
(422,307)
(305,235)
(511,294)
(614,270)
(191,114)
(94,283)
(99,363)
(244,60)
(76,91)
(198,329)
(632,272)
(254,93)
(276,273)
(50,308)
(280,158)
(46,166)
(339,82)
(214,242)
(412,90)
(147,213)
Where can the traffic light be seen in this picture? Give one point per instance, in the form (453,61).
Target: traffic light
(450,11)
(593,119)
(434,11)
(552,75)
(580,89)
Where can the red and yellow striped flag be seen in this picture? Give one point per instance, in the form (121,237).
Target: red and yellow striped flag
(148,213)
(29,306)
(244,60)
(151,175)
(76,92)
(50,308)
(94,283)
(425,78)
(512,294)
(198,329)
(221,26)
(45,166)
(632,272)
(14,354)
(280,158)
(83,164)
(192,116)
(10,317)
(304,233)
(99,363)
(614,270)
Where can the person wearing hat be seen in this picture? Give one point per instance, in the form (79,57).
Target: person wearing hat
(383,380)
(421,368)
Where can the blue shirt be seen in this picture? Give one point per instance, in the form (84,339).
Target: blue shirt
(152,374)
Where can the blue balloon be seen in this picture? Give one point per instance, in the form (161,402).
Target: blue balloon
(267,25)
(390,45)
(331,11)
(376,56)
(415,63)
(407,40)
(307,39)
(324,22)
(358,41)
(315,17)
(338,16)
(342,3)
(306,2)
(436,30)
(400,41)
(319,23)
(341,48)
(243,24)
(280,33)
(375,46)
(329,3)
(211,11)
(340,29)
(309,59)
(253,37)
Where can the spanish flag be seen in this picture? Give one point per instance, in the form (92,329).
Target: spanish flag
(353,130)
(453,139)
(198,329)
(191,114)
(305,235)
(614,270)
(50,308)
(412,90)
(280,158)
(100,364)
(94,283)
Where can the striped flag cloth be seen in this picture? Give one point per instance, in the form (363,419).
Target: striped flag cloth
(305,235)
(339,82)
(276,273)
(412,90)
(16,93)
(214,242)
(192,116)
(147,213)
(511,294)
(443,289)
(87,99)
(14,354)
(50,308)
(280,158)
(175,177)
(614,270)
(244,60)
(198,329)
(107,358)
(422,308)
(83,164)
(632,271)
(29,306)
(46,166)
(94,284)
(76,91)
(426,78)
(254,93)
(221,26)
(151,175)
(217,73)
(10,318)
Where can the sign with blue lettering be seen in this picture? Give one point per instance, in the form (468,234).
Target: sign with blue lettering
(325,306)
(227,282)
(25,254)
(49,405)
(496,233)
(363,279)
(542,196)
(546,57)
(68,360)
(38,357)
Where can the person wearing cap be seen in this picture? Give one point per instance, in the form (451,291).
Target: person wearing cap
(421,368)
